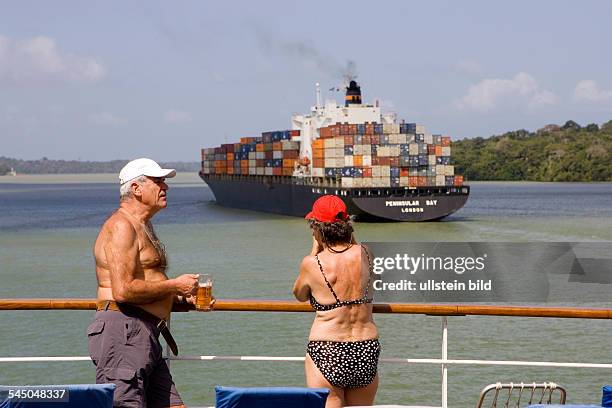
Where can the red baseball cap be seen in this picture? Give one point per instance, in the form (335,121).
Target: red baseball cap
(328,208)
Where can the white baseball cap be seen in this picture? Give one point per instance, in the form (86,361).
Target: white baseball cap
(143,167)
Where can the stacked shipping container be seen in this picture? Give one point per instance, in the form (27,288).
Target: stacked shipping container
(383,155)
(360,155)
(272,154)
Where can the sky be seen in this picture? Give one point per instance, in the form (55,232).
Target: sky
(103,80)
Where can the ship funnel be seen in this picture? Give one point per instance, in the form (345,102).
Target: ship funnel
(353,94)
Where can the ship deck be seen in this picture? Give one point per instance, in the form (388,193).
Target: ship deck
(336,184)
(444,311)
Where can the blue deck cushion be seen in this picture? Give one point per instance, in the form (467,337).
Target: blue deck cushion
(270,397)
(562,406)
(79,395)
(606,397)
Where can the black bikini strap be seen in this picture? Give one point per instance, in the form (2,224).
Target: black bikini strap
(326,281)
(369,271)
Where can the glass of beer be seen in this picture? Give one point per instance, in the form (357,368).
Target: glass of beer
(204,293)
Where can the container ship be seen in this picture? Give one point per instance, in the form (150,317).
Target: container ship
(382,169)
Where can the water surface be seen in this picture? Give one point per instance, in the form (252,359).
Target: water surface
(48,226)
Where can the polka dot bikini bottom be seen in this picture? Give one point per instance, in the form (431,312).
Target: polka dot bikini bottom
(349,364)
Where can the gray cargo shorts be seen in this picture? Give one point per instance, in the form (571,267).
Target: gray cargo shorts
(126,351)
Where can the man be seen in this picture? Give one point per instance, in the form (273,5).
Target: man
(135,296)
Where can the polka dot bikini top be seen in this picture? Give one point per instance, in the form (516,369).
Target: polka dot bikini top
(339,303)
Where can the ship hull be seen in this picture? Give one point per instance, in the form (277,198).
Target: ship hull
(291,196)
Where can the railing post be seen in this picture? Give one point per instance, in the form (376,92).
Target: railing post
(444,365)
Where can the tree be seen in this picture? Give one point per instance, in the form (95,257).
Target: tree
(570,124)
(592,127)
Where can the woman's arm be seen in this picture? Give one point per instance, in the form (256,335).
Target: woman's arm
(317,246)
(301,288)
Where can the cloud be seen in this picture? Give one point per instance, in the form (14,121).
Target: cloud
(469,66)
(491,94)
(105,118)
(588,91)
(176,116)
(38,59)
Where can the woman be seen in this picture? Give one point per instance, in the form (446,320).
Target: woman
(343,348)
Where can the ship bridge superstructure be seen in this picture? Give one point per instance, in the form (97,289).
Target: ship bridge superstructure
(330,113)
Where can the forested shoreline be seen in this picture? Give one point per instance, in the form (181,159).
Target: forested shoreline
(553,153)
(46,166)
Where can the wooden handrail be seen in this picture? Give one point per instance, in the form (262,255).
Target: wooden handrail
(265,305)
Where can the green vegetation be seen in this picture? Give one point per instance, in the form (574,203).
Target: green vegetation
(553,153)
(46,166)
(4,169)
